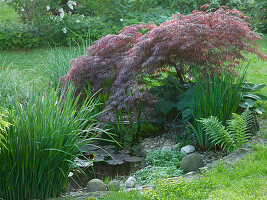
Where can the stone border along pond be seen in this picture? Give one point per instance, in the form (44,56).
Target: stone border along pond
(96,188)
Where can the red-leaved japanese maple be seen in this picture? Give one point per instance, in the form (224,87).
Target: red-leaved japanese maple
(204,39)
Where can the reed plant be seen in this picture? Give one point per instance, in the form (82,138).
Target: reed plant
(217,94)
(46,135)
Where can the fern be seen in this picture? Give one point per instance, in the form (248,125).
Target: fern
(252,122)
(218,133)
(239,129)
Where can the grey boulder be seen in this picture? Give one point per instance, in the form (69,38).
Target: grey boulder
(96,185)
(191,162)
(130,183)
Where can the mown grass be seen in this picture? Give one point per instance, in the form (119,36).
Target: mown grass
(244,180)
(29,66)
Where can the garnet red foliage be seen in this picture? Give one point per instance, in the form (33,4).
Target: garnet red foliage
(205,39)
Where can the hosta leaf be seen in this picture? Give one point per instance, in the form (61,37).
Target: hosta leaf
(156,90)
(247,103)
(263,97)
(252,86)
(258,87)
(173,81)
(252,96)
(189,93)
(166,107)
(161,119)
(169,94)
(181,105)
(259,109)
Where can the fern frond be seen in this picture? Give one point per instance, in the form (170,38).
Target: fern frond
(237,127)
(217,133)
(252,122)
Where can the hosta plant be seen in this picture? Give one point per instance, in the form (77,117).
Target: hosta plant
(173,99)
(251,97)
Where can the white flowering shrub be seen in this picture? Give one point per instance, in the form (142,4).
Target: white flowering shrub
(31,10)
(51,20)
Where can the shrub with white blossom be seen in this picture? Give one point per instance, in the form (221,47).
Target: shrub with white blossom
(41,13)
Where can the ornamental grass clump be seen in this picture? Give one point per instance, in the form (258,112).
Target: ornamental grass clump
(46,135)
(58,61)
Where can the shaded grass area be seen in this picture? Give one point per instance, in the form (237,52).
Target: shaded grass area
(246,179)
(30,62)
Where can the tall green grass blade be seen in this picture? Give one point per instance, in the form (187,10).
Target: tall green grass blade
(43,142)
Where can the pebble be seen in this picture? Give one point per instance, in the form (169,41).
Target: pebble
(166,148)
(157,143)
(188,149)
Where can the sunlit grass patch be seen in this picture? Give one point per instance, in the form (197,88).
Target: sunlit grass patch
(7,12)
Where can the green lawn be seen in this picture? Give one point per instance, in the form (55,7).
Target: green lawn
(27,66)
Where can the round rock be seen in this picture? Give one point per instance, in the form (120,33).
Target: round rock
(187,149)
(191,162)
(114,185)
(130,183)
(96,185)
